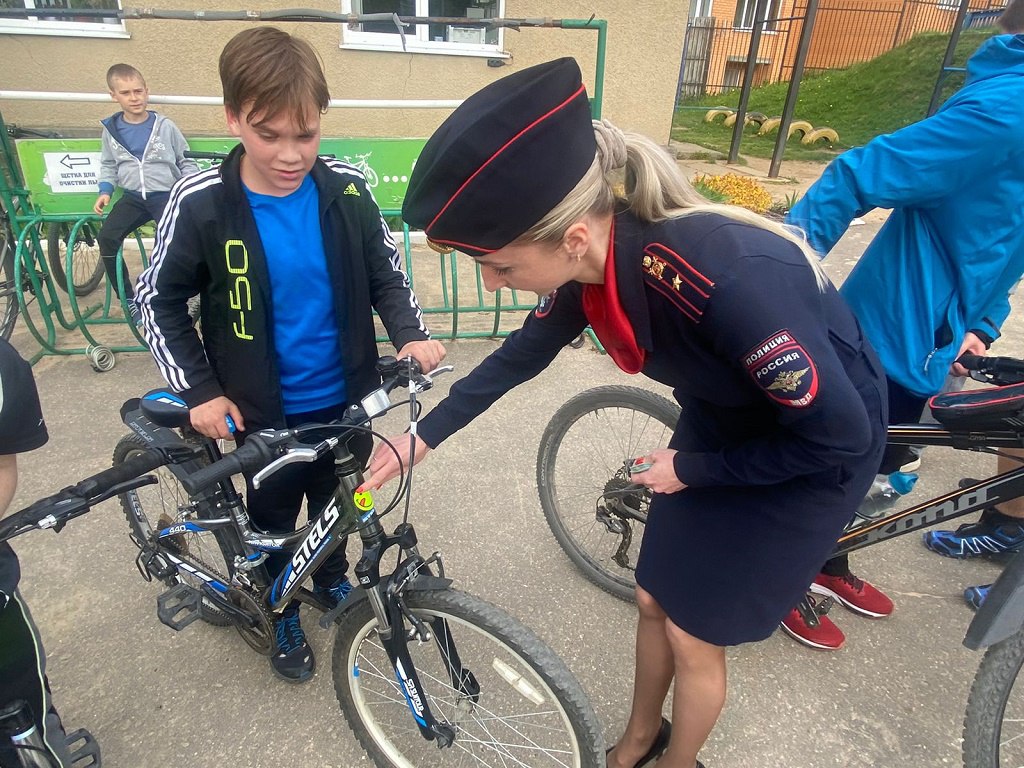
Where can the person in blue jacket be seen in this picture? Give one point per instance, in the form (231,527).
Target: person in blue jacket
(934,283)
(783,400)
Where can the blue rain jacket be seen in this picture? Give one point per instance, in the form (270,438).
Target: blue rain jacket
(953,248)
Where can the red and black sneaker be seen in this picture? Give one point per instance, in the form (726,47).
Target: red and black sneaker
(853,593)
(809,624)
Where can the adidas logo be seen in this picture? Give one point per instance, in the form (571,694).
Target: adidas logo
(351,189)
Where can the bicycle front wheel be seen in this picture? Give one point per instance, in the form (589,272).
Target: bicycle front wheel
(530,710)
(994,721)
(86,263)
(8,278)
(595,512)
(153,508)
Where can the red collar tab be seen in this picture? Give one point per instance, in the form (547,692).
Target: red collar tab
(608,318)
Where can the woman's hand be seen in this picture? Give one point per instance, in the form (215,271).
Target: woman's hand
(661,477)
(428,353)
(209,418)
(384,464)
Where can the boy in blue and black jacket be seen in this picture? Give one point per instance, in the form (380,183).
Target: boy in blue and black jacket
(143,153)
(290,255)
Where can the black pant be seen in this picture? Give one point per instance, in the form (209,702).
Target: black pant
(23,677)
(125,216)
(275,507)
(904,408)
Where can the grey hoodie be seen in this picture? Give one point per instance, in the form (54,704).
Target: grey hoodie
(162,163)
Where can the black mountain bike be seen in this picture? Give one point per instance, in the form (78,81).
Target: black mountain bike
(597,516)
(425,675)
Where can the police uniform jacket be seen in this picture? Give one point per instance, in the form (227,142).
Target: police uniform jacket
(208,243)
(783,411)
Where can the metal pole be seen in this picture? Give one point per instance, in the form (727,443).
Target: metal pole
(760,12)
(954,38)
(794,88)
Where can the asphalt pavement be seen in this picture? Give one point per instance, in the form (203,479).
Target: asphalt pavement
(893,696)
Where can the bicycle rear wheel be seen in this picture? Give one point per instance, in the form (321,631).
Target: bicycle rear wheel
(596,514)
(87,264)
(994,720)
(153,508)
(530,710)
(8,278)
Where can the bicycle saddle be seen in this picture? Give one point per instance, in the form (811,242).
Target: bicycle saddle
(164,408)
(998,409)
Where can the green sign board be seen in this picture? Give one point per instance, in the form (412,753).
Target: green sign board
(63,174)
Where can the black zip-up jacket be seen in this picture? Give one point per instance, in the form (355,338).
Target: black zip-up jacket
(208,243)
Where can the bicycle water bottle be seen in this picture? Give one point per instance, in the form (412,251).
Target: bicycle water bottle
(884,492)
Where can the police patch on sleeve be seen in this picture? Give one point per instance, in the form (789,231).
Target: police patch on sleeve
(783,369)
(545,304)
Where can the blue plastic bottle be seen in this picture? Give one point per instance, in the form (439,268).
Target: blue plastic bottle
(885,491)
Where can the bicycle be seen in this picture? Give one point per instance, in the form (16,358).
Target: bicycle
(597,516)
(87,268)
(476,685)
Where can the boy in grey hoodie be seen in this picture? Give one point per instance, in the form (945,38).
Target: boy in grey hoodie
(144,154)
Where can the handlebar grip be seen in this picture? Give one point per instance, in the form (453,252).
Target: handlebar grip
(100,483)
(972,362)
(251,456)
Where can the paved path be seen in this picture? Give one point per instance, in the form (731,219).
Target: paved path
(894,696)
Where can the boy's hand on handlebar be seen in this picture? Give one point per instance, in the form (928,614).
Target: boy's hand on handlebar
(209,418)
(972,345)
(661,477)
(427,353)
(384,464)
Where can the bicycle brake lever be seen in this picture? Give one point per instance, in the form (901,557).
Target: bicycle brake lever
(427,380)
(294,456)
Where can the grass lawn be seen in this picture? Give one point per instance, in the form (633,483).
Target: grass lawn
(860,102)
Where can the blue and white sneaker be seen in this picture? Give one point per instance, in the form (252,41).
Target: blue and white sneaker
(975,596)
(993,534)
(293,660)
(335,594)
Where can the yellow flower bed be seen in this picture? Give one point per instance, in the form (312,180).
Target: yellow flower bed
(739,190)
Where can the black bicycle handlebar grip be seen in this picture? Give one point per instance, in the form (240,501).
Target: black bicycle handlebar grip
(253,455)
(100,483)
(972,362)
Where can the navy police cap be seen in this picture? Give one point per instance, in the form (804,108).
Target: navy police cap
(503,160)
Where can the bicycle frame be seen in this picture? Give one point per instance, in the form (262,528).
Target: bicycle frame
(347,512)
(948,506)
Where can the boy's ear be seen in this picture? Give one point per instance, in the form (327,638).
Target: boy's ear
(233,120)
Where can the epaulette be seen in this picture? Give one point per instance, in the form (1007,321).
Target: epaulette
(677,280)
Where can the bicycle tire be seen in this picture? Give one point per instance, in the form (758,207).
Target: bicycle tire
(161,505)
(502,726)
(86,261)
(583,456)
(8,281)
(991,739)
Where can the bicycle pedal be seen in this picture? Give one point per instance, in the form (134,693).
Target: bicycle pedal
(179,606)
(84,751)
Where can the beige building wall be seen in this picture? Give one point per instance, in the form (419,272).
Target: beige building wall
(180,58)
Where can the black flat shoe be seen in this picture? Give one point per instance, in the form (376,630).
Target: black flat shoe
(657,748)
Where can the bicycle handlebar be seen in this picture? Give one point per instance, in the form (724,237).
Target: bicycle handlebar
(77,499)
(997,370)
(261,448)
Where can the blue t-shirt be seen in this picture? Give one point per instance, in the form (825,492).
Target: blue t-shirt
(135,135)
(305,328)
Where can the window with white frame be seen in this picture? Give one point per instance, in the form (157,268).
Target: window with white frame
(454,38)
(745,10)
(43,23)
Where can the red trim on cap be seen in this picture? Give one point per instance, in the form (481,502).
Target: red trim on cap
(542,118)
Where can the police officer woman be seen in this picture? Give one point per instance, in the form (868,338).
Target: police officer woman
(783,401)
